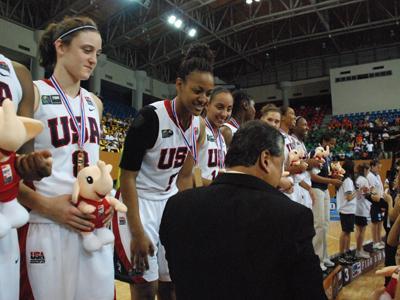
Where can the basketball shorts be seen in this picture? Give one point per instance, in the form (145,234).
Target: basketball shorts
(347,222)
(9,266)
(361,221)
(59,268)
(150,214)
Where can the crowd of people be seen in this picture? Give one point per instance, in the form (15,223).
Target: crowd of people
(255,229)
(113,132)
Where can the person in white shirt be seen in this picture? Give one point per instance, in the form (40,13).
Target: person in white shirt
(362,208)
(377,212)
(346,201)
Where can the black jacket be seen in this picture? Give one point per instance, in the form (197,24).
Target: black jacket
(240,238)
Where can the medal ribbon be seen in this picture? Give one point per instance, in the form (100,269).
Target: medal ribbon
(80,129)
(234,123)
(218,141)
(192,148)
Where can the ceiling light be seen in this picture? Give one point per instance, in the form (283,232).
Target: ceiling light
(249,1)
(257,0)
(171,19)
(192,32)
(178,23)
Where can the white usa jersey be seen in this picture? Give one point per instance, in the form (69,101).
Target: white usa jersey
(9,84)
(289,145)
(61,138)
(212,154)
(232,125)
(161,164)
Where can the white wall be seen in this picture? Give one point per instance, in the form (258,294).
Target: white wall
(17,38)
(296,89)
(117,74)
(370,94)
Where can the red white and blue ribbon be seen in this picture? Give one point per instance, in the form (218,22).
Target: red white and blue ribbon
(219,143)
(80,128)
(234,123)
(192,148)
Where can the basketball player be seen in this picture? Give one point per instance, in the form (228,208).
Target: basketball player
(288,121)
(271,115)
(212,152)
(16,84)
(243,111)
(57,265)
(158,158)
(305,192)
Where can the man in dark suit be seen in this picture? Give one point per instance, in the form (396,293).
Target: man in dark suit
(240,237)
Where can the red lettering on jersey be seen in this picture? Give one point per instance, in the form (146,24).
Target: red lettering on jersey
(172,157)
(69,133)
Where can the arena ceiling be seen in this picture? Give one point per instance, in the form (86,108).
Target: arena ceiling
(246,38)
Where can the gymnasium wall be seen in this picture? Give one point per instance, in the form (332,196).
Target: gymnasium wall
(296,89)
(25,43)
(366,87)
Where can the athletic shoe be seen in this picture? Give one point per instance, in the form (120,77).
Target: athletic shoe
(322,266)
(328,263)
(343,261)
(362,254)
(378,246)
(349,257)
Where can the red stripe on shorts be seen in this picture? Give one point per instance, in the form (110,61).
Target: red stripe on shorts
(25,290)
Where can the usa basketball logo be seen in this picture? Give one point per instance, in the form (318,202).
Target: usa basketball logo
(37,257)
(7,174)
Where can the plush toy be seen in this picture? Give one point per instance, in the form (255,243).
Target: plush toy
(90,192)
(336,170)
(295,157)
(320,154)
(14,132)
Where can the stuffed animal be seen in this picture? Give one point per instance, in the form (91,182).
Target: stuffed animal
(320,154)
(336,170)
(90,192)
(295,157)
(14,132)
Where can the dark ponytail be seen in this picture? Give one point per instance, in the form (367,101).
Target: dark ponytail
(47,51)
(199,57)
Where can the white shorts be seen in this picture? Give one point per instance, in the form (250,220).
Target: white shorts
(59,268)
(305,198)
(150,214)
(9,266)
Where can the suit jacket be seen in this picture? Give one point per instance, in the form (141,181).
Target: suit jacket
(240,238)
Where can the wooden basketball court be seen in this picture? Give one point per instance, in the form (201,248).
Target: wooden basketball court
(359,289)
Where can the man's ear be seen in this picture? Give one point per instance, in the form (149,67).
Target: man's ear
(264,161)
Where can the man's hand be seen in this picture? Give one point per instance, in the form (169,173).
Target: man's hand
(35,165)
(141,247)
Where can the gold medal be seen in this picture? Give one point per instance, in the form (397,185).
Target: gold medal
(198,181)
(80,160)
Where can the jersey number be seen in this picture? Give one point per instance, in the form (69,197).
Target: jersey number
(171,179)
(212,158)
